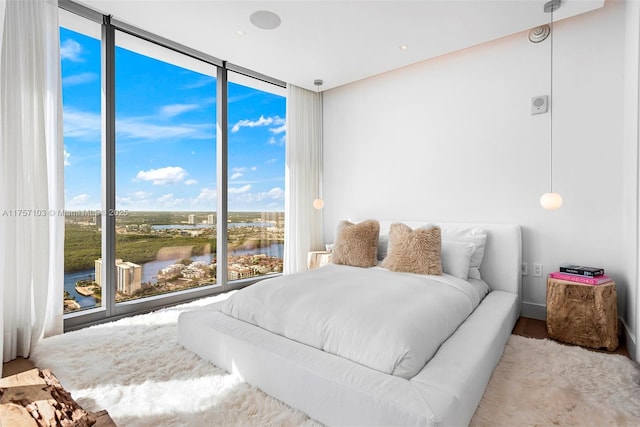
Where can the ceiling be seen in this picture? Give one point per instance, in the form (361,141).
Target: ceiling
(337,41)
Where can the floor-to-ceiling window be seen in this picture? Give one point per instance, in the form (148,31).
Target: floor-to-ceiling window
(80,51)
(255,183)
(165,166)
(141,183)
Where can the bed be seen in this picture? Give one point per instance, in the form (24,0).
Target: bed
(310,368)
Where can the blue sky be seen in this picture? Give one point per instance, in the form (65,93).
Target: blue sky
(166,135)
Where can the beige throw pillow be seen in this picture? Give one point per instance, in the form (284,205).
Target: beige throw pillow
(356,244)
(414,251)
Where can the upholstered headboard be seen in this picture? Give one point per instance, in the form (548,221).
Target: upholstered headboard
(502,260)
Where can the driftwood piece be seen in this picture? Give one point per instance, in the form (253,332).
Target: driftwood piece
(35,398)
(580,314)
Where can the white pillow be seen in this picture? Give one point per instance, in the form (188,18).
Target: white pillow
(456,257)
(477,236)
(383,244)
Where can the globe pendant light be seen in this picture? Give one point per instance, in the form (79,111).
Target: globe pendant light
(318,203)
(551,200)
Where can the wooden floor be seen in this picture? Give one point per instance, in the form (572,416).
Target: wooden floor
(527,327)
(16,366)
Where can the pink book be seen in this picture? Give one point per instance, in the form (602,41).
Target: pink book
(598,280)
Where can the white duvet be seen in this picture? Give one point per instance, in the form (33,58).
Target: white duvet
(391,322)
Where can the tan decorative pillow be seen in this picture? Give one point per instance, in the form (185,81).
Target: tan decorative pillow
(414,251)
(356,244)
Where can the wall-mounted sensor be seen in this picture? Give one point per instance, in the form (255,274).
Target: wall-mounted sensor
(539,104)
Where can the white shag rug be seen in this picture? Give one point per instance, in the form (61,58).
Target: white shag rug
(544,383)
(135,369)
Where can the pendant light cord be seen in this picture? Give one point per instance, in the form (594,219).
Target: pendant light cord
(551,106)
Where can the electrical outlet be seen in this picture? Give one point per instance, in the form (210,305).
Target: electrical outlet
(537,270)
(524,269)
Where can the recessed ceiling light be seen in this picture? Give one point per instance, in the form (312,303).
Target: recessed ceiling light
(241,33)
(404,47)
(265,20)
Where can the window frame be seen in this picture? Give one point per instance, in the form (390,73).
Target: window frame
(109,310)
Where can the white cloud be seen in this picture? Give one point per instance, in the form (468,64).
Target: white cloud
(207,194)
(278,141)
(190,182)
(81,201)
(142,128)
(79,124)
(136,200)
(78,79)
(163,176)
(168,201)
(272,199)
(80,198)
(141,195)
(70,49)
(204,81)
(67,155)
(239,171)
(276,193)
(239,190)
(278,129)
(82,124)
(123,201)
(262,121)
(176,109)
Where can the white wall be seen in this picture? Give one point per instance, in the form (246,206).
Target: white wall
(452,139)
(3,6)
(631,138)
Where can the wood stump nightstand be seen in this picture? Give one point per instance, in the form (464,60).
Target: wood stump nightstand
(316,259)
(36,398)
(585,315)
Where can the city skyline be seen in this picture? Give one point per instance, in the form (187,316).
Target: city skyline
(165,135)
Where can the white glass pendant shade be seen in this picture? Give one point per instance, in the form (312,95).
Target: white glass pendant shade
(318,204)
(551,201)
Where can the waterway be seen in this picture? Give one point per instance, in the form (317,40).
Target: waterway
(70,280)
(150,270)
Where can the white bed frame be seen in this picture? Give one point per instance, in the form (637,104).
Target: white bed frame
(336,391)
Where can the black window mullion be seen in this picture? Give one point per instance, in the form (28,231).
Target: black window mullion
(108,167)
(222,176)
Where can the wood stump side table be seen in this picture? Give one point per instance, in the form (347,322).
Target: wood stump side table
(585,315)
(35,398)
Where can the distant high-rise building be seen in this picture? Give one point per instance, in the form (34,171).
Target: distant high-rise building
(192,219)
(210,219)
(128,275)
(98,269)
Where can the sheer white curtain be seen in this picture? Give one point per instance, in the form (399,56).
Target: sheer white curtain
(31,176)
(303,223)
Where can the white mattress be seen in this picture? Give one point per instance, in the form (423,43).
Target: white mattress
(337,391)
(388,321)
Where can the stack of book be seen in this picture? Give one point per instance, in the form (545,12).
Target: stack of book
(581,274)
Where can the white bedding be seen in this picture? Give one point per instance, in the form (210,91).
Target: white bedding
(391,322)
